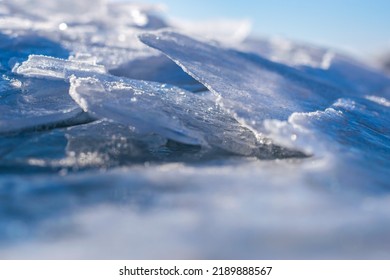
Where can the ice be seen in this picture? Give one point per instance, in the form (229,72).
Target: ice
(38,66)
(319,113)
(195,138)
(30,104)
(253,88)
(158,69)
(121,101)
(36,105)
(96,145)
(104,144)
(32,152)
(171,112)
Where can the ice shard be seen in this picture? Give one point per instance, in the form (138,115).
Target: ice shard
(37,104)
(39,66)
(252,87)
(31,103)
(158,69)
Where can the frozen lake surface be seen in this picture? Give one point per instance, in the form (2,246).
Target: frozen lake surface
(123,135)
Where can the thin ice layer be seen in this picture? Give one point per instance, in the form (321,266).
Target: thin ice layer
(168,111)
(40,66)
(158,69)
(30,104)
(107,144)
(250,86)
(37,104)
(100,144)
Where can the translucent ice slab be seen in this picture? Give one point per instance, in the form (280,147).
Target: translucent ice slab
(39,66)
(249,86)
(38,104)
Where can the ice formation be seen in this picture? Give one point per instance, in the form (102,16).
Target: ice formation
(261,90)
(114,117)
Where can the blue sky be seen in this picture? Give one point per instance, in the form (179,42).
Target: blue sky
(360,26)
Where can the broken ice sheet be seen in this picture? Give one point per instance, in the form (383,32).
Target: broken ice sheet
(106,144)
(168,111)
(153,107)
(171,112)
(37,104)
(253,88)
(96,145)
(40,66)
(29,104)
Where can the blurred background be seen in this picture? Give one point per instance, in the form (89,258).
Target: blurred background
(360,27)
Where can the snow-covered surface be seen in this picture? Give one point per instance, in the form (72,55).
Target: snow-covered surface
(123,135)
